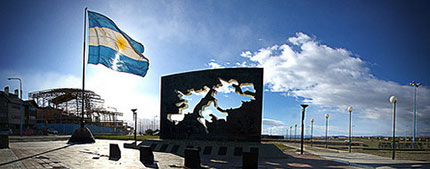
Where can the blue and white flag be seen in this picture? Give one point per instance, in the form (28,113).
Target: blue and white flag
(113,48)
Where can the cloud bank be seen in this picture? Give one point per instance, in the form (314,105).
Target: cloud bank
(334,78)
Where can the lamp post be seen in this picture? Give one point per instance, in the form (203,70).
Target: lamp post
(291,131)
(20,102)
(326,130)
(350,139)
(135,125)
(303,127)
(286,134)
(393,100)
(312,129)
(415,85)
(154,125)
(295,132)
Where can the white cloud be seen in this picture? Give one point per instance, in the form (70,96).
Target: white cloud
(214,65)
(226,87)
(271,122)
(334,78)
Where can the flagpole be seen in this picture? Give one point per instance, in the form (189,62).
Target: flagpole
(83,135)
(83,69)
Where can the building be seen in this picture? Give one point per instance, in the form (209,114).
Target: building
(10,114)
(60,109)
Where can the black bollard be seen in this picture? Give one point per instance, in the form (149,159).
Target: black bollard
(114,152)
(146,155)
(250,160)
(192,158)
(4,141)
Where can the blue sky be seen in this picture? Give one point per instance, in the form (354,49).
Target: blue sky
(328,54)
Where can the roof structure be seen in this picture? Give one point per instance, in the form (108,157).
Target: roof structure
(70,100)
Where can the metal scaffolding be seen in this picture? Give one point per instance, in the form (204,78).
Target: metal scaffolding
(67,103)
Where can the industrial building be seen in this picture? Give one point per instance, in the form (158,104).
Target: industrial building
(60,110)
(10,113)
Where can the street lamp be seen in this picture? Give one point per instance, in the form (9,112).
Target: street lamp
(393,100)
(303,126)
(326,130)
(135,125)
(291,131)
(295,132)
(350,140)
(20,102)
(415,107)
(154,125)
(312,129)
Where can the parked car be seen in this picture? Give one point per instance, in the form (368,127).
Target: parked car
(28,131)
(6,132)
(52,131)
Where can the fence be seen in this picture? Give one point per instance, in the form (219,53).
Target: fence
(67,128)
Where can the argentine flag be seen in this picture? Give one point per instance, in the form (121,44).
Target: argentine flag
(113,48)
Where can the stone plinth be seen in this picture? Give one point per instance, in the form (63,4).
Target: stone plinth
(81,136)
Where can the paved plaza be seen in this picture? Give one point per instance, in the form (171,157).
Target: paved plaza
(361,160)
(59,154)
(54,152)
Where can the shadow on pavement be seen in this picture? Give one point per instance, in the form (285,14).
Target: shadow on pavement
(288,162)
(412,165)
(35,155)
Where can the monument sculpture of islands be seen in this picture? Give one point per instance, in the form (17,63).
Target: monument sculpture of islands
(237,132)
(241,124)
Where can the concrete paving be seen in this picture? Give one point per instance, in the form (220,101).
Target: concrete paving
(361,160)
(14,139)
(9,159)
(59,154)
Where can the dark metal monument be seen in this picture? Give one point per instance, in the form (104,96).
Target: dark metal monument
(241,123)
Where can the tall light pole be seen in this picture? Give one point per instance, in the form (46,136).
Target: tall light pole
(312,129)
(135,125)
(326,130)
(153,123)
(20,102)
(291,131)
(393,100)
(415,85)
(295,132)
(286,134)
(350,139)
(303,127)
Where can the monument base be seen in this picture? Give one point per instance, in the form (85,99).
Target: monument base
(81,136)
(215,148)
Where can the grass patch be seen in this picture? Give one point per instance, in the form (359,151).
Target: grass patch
(124,137)
(282,147)
(400,155)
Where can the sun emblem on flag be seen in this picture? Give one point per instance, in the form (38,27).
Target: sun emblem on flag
(121,43)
